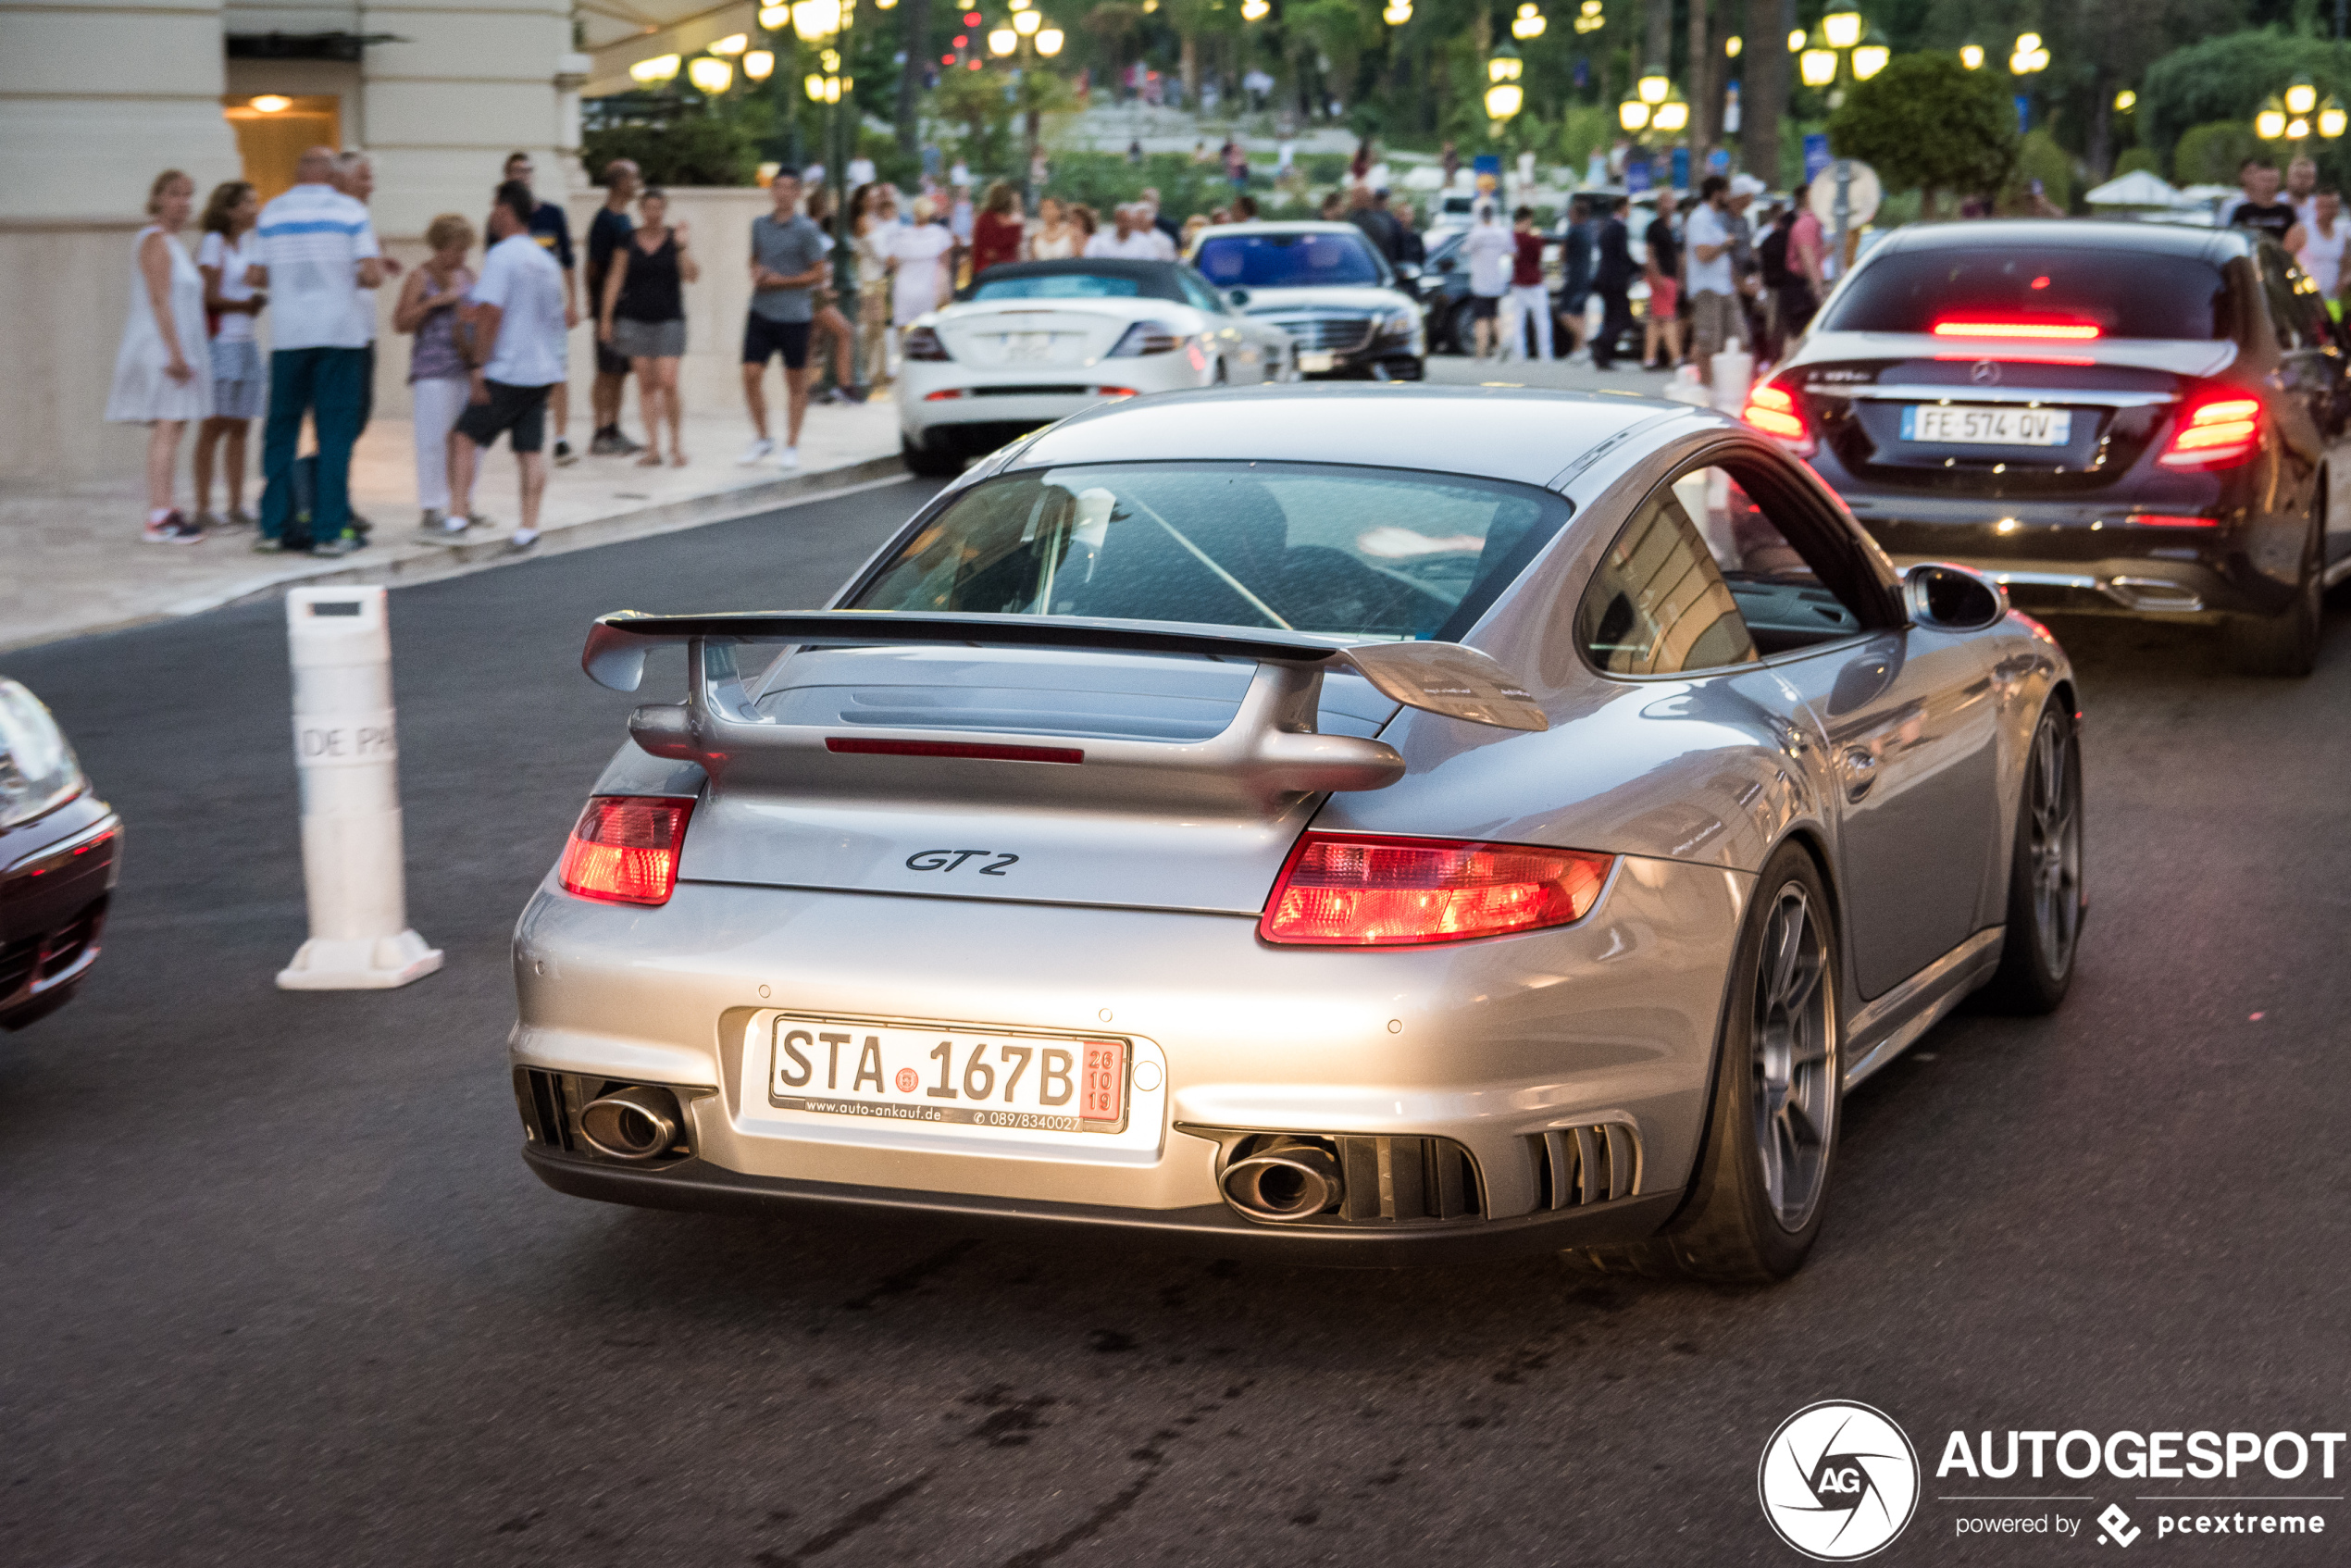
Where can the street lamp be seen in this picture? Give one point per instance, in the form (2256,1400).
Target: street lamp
(1505,97)
(710,74)
(1971,55)
(1398,13)
(1654,107)
(659,71)
(1254,10)
(2028,58)
(1844,41)
(2125,101)
(2297,114)
(1529,23)
(1588,18)
(1732,45)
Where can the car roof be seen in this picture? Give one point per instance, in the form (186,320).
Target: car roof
(1156,279)
(2075,233)
(1282,226)
(1522,435)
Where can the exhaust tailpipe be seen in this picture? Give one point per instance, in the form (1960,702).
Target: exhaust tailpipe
(1284,1182)
(637,1124)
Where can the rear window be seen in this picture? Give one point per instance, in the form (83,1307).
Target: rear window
(1348,552)
(2121,293)
(1288,261)
(1057,286)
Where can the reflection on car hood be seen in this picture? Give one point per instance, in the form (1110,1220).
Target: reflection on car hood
(1364,298)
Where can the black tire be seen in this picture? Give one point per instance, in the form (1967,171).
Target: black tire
(1463,326)
(2046,898)
(2284,645)
(931,462)
(1760,1189)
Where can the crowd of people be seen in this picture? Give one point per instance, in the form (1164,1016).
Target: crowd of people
(1716,271)
(2299,214)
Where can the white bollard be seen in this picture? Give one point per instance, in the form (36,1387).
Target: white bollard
(1687,388)
(348,752)
(1733,369)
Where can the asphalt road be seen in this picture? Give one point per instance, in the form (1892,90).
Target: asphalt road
(275,1286)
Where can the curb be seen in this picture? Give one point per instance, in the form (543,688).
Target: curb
(415,561)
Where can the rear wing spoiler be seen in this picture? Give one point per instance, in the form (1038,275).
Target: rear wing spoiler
(1438,678)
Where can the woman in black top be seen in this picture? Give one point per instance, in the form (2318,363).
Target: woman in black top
(643,316)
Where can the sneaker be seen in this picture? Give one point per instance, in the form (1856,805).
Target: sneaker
(332,548)
(603,443)
(564,456)
(760,448)
(788,457)
(359,531)
(265,545)
(521,543)
(433,520)
(240,519)
(854,394)
(623,447)
(171,529)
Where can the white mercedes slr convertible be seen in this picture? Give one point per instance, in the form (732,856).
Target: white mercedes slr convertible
(1037,341)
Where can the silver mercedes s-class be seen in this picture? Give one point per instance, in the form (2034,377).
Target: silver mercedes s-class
(1379,824)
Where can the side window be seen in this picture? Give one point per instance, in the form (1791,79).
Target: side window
(1197,291)
(2286,315)
(1782,595)
(1658,604)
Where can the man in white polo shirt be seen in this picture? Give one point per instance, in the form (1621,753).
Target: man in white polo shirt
(517,357)
(319,251)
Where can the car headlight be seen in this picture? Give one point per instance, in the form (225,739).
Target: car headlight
(37,769)
(1400,323)
(1148,337)
(922,343)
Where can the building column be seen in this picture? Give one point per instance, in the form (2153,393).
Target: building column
(95,100)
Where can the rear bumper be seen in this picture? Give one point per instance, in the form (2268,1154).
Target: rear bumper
(697,1186)
(1493,1046)
(2073,560)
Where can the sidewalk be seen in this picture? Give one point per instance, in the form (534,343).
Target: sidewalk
(73,563)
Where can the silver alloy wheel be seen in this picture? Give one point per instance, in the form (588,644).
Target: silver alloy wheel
(1795,1057)
(2054,848)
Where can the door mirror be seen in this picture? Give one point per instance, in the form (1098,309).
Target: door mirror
(1238,296)
(1410,271)
(1445,264)
(1947,598)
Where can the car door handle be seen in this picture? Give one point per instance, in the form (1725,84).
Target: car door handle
(1861,773)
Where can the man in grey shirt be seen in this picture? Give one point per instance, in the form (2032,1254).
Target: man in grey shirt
(787,262)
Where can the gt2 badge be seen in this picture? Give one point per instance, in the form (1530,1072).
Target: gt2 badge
(950,859)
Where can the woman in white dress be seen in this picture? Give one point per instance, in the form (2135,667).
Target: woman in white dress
(1055,237)
(924,281)
(161,376)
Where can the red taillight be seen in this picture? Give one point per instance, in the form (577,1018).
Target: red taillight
(1346,890)
(1772,409)
(2215,433)
(2171,520)
(624,849)
(2043,331)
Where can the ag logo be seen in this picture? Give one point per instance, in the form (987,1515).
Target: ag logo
(1838,1481)
(1983,372)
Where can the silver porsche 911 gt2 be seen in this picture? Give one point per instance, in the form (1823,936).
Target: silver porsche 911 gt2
(1378,824)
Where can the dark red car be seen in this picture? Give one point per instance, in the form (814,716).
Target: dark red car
(59,844)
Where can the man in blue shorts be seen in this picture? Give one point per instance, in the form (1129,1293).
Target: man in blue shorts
(787,263)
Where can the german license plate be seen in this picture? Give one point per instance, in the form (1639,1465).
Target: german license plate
(1315,361)
(1028,348)
(1961,425)
(895,1073)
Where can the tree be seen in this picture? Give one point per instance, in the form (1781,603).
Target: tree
(1928,123)
(2229,77)
(1763,92)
